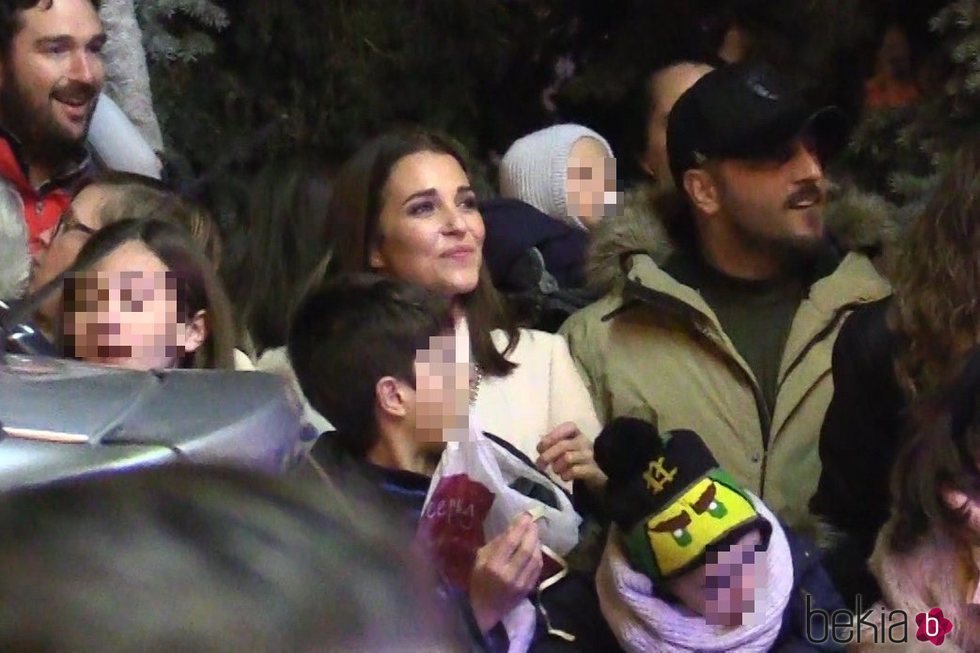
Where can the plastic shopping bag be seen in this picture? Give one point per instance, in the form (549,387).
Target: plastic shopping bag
(478,489)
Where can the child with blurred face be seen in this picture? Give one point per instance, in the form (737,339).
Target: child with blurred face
(386,362)
(693,561)
(143,296)
(125,313)
(565,171)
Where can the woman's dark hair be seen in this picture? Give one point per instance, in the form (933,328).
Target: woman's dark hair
(943,453)
(351,333)
(198,287)
(353,223)
(205,559)
(936,309)
(287,213)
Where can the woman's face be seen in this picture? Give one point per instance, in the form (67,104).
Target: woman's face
(430,231)
(79,221)
(125,312)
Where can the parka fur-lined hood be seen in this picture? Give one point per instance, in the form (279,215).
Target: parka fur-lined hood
(858,222)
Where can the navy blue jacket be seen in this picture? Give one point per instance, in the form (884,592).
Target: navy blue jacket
(513,227)
(809,579)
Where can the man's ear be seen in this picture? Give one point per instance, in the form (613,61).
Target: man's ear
(702,190)
(196,332)
(392,396)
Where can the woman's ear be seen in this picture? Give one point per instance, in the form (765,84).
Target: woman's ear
(375,259)
(196,332)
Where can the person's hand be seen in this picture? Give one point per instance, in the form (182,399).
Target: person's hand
(569,455)
(506,571)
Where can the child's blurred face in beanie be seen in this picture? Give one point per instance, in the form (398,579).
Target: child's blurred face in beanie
(723,590)
(591,182)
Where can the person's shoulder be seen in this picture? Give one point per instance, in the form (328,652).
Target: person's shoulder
(530,343)
(593,315)
(865,331)
(851,283)
(242,362)
(872,313)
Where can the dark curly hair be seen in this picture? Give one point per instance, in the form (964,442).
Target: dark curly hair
(936,311)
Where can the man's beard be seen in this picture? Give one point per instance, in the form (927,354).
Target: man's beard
(44,140)
(794,252)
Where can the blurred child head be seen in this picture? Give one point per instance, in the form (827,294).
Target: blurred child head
(685,523)
(376,356)
(199,559)
(142,295)
(566,171)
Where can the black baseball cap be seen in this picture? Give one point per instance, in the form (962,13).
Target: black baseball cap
(745,111)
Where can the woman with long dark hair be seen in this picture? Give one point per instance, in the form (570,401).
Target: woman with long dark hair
(404,206)
(287,211)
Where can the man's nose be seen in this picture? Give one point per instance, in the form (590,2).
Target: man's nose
(806,164)
(87,68)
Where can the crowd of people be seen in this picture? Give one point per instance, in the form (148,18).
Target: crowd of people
(760,424)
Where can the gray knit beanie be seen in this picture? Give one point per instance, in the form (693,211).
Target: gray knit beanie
(535,169)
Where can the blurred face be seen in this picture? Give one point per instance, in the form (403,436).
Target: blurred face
(723,590)
(894,55)
(775,205)
(79,222)
(430,231)
(590,184)
(125,313)
(52,76)
(667,86)
(966,506)
(442,385)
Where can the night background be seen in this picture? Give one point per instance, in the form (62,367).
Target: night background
(241,81)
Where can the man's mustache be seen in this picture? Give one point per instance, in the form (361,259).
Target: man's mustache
(810,193)
(75,92)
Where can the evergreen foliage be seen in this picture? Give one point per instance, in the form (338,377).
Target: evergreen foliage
(900,152)
(179,30)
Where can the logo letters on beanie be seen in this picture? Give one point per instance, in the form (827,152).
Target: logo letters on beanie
(657,477)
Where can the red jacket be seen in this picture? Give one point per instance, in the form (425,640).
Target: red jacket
(44,205)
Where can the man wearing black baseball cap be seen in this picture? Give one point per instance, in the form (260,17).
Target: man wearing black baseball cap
(727,327)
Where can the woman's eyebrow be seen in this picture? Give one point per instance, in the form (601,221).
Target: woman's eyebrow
(427,193)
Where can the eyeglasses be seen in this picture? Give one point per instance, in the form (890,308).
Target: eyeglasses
(70,222)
